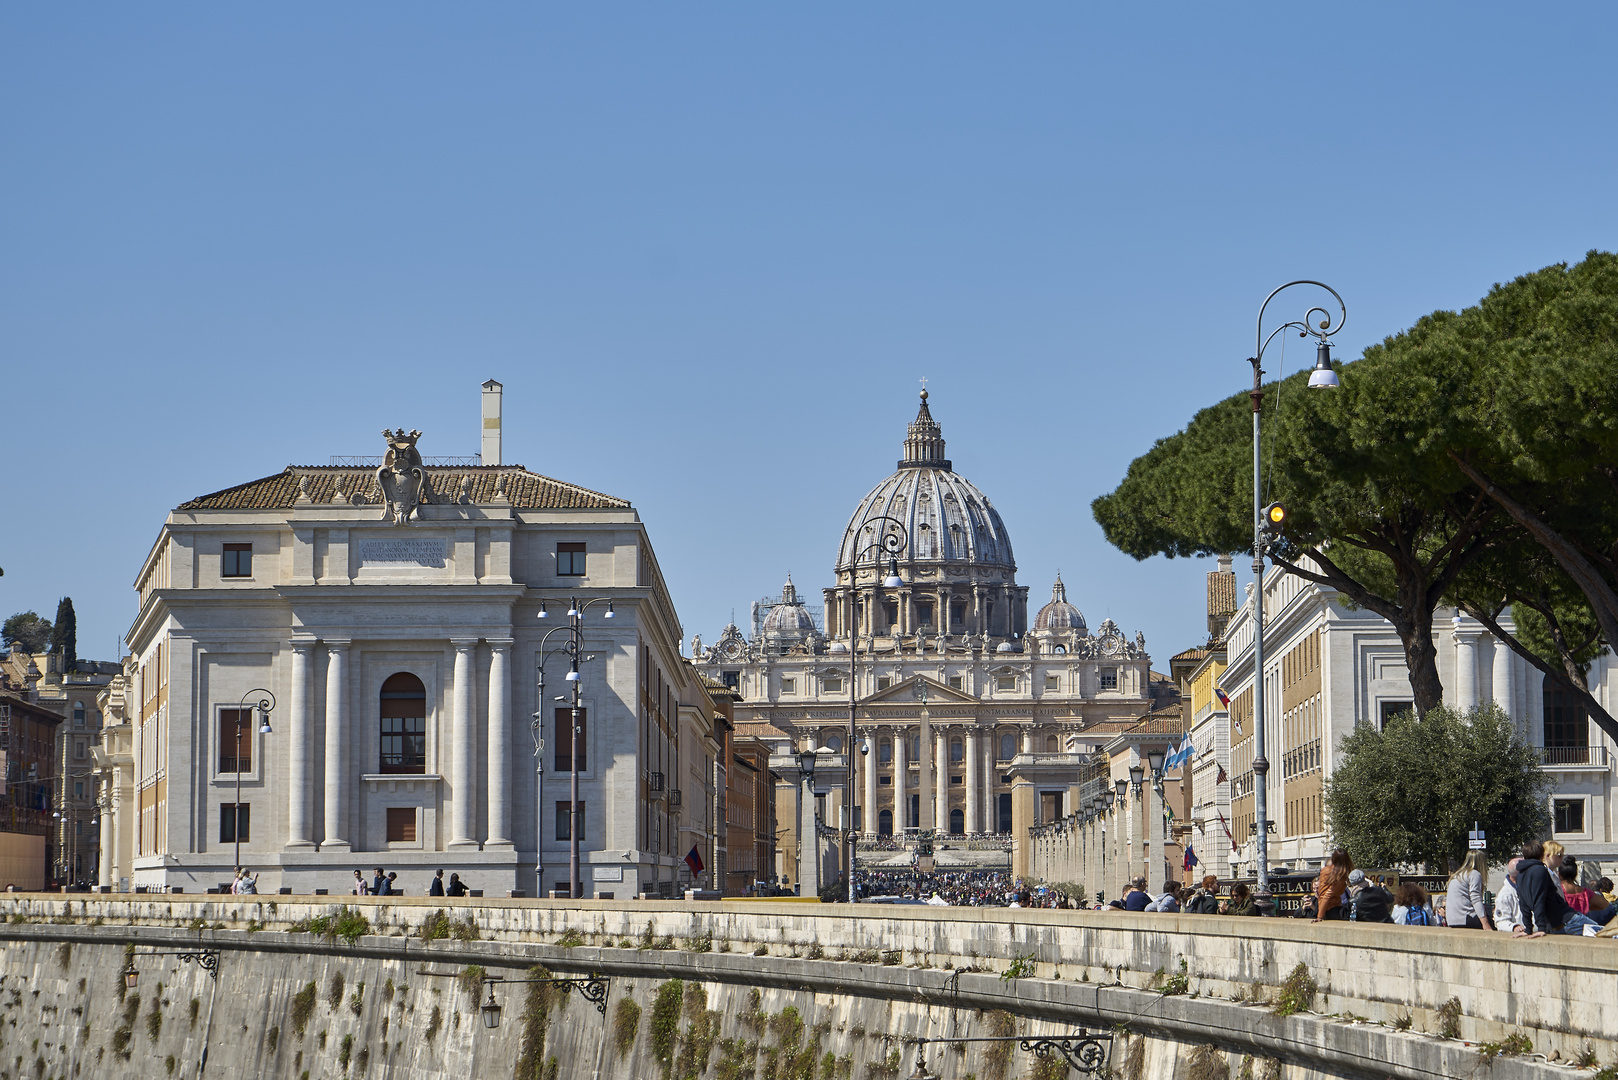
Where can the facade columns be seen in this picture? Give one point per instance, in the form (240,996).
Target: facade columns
(924,765)
(1466,667)
(337,736)
(104,861)
(1157,868)
(1501,687)
(869,762)
(463,740)
(991,805)
(972,765)
(941,793)
(499,780)
(901,779)
(300,752)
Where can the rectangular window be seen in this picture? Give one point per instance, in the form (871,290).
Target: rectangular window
(891,612)
(957,780)
(1390,709)
(789,686)
(564,740)
(401,824)
(832,685)
(957,614)
(883,682)
(1569,815)
(1053,682)
(924,613)
(564,821)
(78,789)
(1005,682)
(1002,807)
(956,682)
(885,780)
(570,560)
(234,818)
(1566,725)
(1109,678)
(236,561)
(229,760)
(78,749)
(404,744)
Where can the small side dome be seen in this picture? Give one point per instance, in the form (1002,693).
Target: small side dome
(1005,647)
(1059,614)
(837,648)
(789,621)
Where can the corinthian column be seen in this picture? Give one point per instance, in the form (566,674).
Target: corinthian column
(924,765)
(1466,668)
(972,766)
(463,805)
(499,744)
(869,763)
(941,793)
(901,778)
(336,745)
(300,752)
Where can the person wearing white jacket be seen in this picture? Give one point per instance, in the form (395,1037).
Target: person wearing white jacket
(1508,914)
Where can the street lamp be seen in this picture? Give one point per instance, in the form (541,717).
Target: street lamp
(573,648)
(1322,378)
(893,540)
(264,706)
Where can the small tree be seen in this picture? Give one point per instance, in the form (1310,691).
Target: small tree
(1410,793)
(27,631)
(65,635)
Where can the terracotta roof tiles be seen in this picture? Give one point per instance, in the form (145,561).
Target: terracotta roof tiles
(523,489)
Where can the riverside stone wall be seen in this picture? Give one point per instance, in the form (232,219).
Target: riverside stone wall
(862,987)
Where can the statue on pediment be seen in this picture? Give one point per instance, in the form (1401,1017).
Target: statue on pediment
(402,478)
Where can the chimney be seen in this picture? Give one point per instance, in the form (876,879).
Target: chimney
(491,423)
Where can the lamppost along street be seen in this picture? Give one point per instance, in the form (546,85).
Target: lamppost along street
(264,706)
(1154,761)
(573,647)
(891,538)
(808,834)
(1266,521)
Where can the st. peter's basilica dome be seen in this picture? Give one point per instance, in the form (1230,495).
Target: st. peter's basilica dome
(946,519)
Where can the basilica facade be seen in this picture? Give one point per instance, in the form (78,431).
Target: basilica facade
(928,630)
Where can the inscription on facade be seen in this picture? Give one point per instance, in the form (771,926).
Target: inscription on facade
(416,551)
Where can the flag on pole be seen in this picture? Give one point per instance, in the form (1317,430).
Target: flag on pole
(1226,826)
(1224,698)
(1190,858)
(1221,778)
(693,859)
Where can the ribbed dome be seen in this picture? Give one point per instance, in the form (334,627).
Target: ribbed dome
(1059,614)
(789,620)
(946,519)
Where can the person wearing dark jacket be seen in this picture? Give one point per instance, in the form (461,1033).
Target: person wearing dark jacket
(1205,901)
(456,887)
(437,887)
(1542,896)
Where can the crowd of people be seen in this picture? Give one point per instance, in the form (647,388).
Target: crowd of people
(965,888)
(1541,895)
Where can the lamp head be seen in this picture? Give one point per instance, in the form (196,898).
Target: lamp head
(1154,758)
(131,976)
(893,580)
(543,614)
(806,761)
(264,722)
(610,614)
(491,1011)
(1121,787)
(1136,774)
(1323,377)
(1275,517)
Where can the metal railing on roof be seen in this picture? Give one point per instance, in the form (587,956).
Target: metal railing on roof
(341,461)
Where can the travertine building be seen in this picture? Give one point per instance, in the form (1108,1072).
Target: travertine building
(951,679)
(394,613)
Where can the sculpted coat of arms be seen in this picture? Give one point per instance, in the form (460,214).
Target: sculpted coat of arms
(402,478)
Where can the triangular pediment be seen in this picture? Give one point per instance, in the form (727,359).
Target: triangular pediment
(908,692)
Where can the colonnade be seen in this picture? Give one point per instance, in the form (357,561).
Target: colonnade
(1104,851)
(924,751)
(341,774)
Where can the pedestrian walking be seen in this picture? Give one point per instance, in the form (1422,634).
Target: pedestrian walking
(1463,903)
(1331,885)
(358,888)
(456,886)
(437,887)
(378,883)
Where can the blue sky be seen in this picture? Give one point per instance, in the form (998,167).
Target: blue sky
(710,250)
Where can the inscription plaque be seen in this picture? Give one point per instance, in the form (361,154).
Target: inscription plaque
(412,552)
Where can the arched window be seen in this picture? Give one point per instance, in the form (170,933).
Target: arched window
(404,724)
(957,752)
(957,821)
(834,743)
(1008,747)
(1050,744)
(884,823)
(78,714)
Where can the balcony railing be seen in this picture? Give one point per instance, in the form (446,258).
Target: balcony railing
(1577,757)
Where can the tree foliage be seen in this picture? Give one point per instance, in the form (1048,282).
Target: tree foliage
(65,634)
(1409,794)
(1369,516)
(27,631)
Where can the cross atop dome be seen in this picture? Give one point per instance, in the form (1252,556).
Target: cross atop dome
(924,445)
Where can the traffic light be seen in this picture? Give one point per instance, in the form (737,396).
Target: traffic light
(1275,518)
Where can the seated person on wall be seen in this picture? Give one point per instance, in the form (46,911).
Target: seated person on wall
(1371,902)
(1543,900)
(1137,897)
(1205,899)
